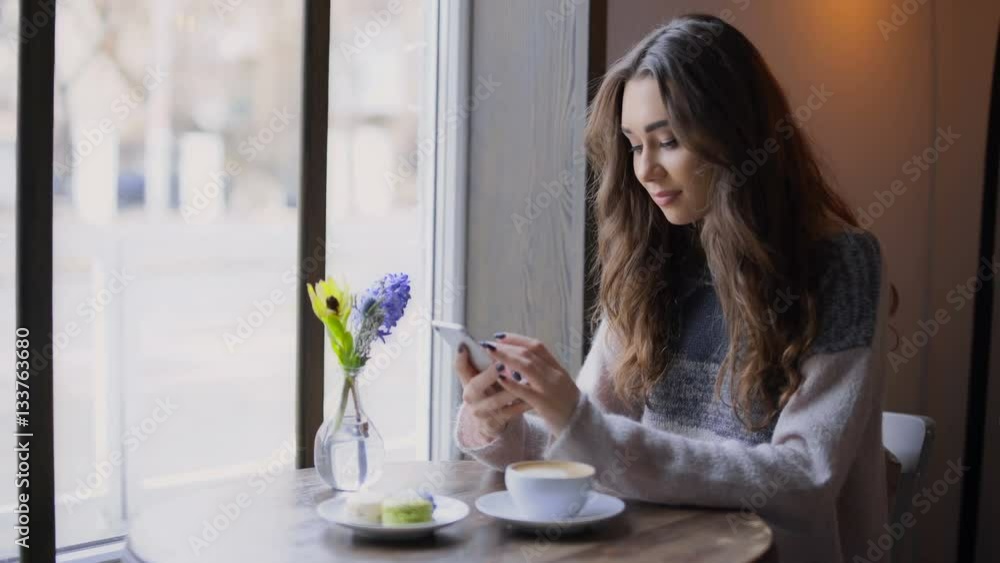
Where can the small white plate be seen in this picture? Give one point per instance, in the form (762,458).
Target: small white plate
(599,507)
(449,510)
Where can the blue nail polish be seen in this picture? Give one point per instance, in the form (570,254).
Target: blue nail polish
(500,335)
(487,345)
(500,367)
(462,349)
(517,376)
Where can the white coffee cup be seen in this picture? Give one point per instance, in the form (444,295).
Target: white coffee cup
(548,490)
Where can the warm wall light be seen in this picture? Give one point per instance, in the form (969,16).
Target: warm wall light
(849,30)
(849,19)
(862,19)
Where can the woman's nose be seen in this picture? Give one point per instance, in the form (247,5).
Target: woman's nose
(647,169)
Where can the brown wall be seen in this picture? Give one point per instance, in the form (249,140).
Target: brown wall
(890,95)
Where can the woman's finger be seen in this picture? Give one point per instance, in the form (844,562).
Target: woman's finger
(518,359)
(510,412)
(533,345)
(525,393)
(463,365)
(497,401)
(498,419)
(478,387)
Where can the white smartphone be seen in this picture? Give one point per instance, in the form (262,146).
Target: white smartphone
(455,335)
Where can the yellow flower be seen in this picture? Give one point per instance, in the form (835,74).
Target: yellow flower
(330,300)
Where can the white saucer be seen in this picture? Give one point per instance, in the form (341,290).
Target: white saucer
(599,507)
(448,511)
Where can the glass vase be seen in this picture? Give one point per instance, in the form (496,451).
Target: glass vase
(349,451)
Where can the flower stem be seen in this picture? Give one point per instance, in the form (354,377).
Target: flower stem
(362,438)
(342,406)
(357,405)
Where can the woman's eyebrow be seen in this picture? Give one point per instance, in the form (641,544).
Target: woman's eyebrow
(651,127)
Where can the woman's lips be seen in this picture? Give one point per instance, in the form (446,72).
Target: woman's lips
(664,198)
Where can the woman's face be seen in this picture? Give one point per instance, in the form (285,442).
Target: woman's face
(667,170)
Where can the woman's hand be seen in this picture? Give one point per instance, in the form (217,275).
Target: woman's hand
(490,405)
(531,373)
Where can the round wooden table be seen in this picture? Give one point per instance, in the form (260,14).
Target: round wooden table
(272,517)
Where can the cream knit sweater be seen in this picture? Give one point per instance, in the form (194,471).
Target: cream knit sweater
(817,476)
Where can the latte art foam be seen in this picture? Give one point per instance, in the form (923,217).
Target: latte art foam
(545,472)
(552,469)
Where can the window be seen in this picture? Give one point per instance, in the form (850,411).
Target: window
(377,219)
(177,143)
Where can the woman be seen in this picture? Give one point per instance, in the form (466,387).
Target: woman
(738,355)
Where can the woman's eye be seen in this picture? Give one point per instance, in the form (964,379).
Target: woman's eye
(672,143)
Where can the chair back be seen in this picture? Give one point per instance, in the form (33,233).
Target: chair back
(910,438)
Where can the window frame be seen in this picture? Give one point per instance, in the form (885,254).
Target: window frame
(33,269)
(449,183)
(309,342)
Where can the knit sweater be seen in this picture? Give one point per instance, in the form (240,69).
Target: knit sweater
(816,474)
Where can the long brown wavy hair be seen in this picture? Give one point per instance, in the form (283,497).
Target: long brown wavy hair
(757,238)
